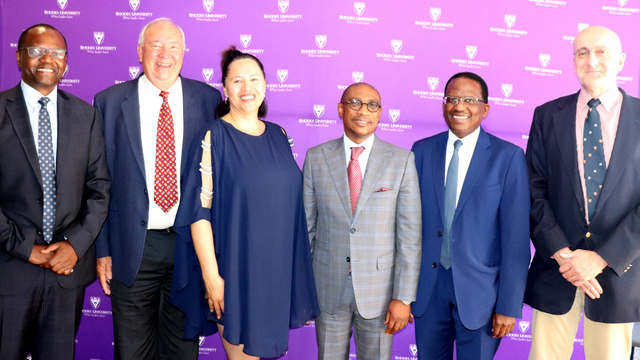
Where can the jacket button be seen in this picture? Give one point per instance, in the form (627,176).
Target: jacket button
(145,191)
(39,200)
(439,233)
(143,223)
(434,265)
(348,259)
(353,230)
(588,235)
(39,232)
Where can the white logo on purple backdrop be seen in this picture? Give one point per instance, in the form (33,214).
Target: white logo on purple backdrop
(95,301)
(433,83)
(359,8)
(283,6)
(544,59)
(357,76)
(414,349)
(62,4)
(208,5)
(318,110)
(435,13)
(207,73)
(396,45)
(472,51)
(283,74)
(98,37)
(510,20)
(134,71)
(321,40)
(246,40)
(623,2)
(582,26)
(200,340)
(507,89)
(134,4)
(66,70)
(394,115)
(524,326)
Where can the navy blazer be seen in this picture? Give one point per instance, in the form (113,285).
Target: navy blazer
(124,232)
(558,218)
(82,190)
(490,232)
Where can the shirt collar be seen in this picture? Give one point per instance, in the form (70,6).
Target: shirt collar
(148,88)
(31,95)
(608,99)
(470,139)
(368,143)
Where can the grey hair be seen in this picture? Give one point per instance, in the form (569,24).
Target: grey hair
(144,29)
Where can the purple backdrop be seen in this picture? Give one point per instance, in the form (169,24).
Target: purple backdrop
(311,51)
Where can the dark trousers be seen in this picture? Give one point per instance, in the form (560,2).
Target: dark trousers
(42,321)
(145,324)
(440,326)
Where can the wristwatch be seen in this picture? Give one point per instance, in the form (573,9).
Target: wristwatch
(406,302)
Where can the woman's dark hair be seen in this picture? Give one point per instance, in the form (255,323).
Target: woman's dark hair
(228,56)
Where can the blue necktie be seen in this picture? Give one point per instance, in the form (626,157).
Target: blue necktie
(594,165)
(450,195)
(47,169)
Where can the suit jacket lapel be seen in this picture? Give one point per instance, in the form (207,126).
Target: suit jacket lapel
(131,113)
(17,110)
(65,114)
(189,130)
(478,162)
(565,123)
(439,162)
(336,162)
(378,160)
(627,137)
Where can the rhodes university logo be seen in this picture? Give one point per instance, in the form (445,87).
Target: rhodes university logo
(283,74)
(283,6)
(394,115)
(435,13)
(207,74)
(396,45)
(414,349)
(98,37)
(245,40)
(544,59)
(134,71)
(582,26)
(623,2)
(357,76)
(509,20)
(62,4)
(507,89)
(524,326)
(472,51)
(433,83)
(359,7)
(95,301)
(318,110)
(134,4)
(321,41)
(208,5)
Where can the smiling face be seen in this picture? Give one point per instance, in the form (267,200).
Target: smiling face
(597,74)
(44,73)
(464,119)
(245,87)
(161,54)
(359,124)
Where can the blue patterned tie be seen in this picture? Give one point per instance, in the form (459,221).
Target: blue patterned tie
(48,170)
(594,165)
(450,195)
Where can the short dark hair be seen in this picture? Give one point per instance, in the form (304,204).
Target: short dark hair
(474,77)
(230,55)
(344,93)
(23,37)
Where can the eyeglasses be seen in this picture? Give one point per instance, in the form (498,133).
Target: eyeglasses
(356,105)
(600,54)
(37,52)
(469,101)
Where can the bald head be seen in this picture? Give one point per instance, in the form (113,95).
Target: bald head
(598,59)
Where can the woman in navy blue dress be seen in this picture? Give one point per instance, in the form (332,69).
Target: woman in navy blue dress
(243,265)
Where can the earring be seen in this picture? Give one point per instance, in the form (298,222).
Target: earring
(226,101)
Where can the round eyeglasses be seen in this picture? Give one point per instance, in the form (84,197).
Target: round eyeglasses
(468,100)
(37,52)
(356,105)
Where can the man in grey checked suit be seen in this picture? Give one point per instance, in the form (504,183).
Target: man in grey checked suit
(365,232)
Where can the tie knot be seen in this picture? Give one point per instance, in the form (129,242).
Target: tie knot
(356,151)
(164,95)
(43,101)
(594,103)
(457,144)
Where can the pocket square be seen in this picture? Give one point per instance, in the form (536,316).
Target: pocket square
(382,189)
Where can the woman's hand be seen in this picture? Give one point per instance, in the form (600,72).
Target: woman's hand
(215,294)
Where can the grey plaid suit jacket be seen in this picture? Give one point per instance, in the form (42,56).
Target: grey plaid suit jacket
(382,242)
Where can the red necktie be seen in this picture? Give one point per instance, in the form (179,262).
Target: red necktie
(355,176)
(165,188)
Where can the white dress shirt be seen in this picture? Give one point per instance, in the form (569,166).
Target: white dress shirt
(363,159)
(150,104)
(465,153)
(31,97)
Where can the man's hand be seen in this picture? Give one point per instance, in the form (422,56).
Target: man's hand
(397,317)
(64,257)
(502,325)
(103,268)
(563,256)
(37,257)
(581,269)
(591,288)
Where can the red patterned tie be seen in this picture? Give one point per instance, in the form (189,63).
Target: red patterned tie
(165,188)
(355,176)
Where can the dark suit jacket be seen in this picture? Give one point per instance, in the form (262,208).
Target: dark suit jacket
(558,219)
(124,232)
(490,248)
(82,190)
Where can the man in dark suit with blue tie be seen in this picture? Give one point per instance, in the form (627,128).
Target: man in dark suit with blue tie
(149,124)
(54,193)
(583,155)
(475,238)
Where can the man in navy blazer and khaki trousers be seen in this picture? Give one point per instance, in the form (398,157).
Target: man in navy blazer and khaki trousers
(587,241)
(363,216)
(136,246)
(474,268)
